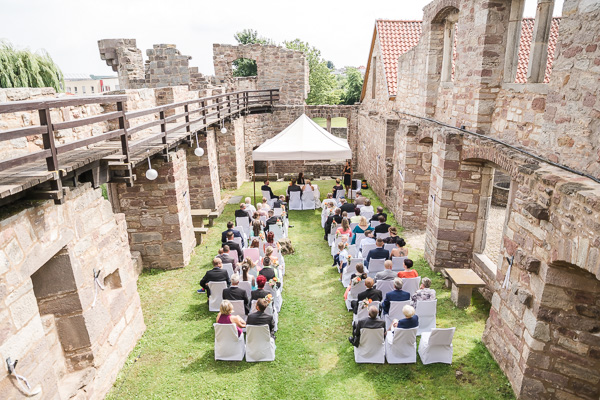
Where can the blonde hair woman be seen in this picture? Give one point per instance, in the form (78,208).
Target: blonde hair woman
(362,227)
(224,316)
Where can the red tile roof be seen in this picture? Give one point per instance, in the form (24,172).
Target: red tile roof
(525,47)
(396,38)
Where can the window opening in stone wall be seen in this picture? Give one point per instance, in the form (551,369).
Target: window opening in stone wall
(338,126)
(243,67)
(449,50)
(492,218)
(61,312)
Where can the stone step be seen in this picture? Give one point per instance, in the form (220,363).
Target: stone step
(199,232)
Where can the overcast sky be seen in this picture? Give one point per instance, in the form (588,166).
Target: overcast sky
(69,29)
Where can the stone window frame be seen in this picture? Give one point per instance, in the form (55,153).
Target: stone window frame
(448,52)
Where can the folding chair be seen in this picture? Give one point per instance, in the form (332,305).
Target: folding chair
(385,286)
(267,196)
(436,346)
(352,250)
(229,269)
(349,270)
(340,193)
(233,254)
(367,214)
(383,235)
(395,312)
(277,211)
(216,295)
(411,285)
(338,240)
(401,346)
(371,348)
(375,266)
(359,238)
(295,201)
(398,263)
(260,345)
(366,248)
(363,312)
(244,224)
(426,310)
(389,246)
(239,241)
(353,225)
(228,345)
(277,231)
(350,215)
(308,200)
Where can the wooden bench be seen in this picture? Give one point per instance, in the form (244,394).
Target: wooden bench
(198,232)
(463,281)
(198,217)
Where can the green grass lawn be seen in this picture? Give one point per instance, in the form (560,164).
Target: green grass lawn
(338,122)
(313,359)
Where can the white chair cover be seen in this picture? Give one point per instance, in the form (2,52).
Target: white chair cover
(411,285)
(308,199)
(340,193)
(253,254)
(295,201)
(247,286)
(263,219)
(353,225)
(375,224)
(261,248)
(260,345)
(398,263)
(233,254)
(367,214)
(216,295)
(354,291)
(244,224)
(359,237)
(363,312)
(349,270)
(436,346)
(238,308)
(277,211)
(277,298)
(371,348)
(426,310)
(229,269)
(228,345)
(385,286)
(389,246)
(395,312)
(267,196)
(351,214)
(383,235)
(338,240)
(401,346)
(366,248)
(242,231)
(352,250)
(277,231)
(238,240)
(376,265)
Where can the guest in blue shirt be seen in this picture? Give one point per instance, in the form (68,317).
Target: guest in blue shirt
(395,295)
(410,321)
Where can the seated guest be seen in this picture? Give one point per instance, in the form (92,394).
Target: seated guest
(249,207)
(360,272)
(345,228)
(248,265)
(300,179)
(226,257)
(260,292)
(272,220)
(409,321)
(368,239)
(242,213)
(340,260)
(255,243)
(234,246)
(224,316)
(360,199)
(379,212)
(337,187)
(348,207)
(293,187)
(395,295)
(387,274)
(269,242)
(256,224)
(377,253)
(382,227)
(370,293)
(393,238)
(235,293)
(328,201)
(269,252)
(408,271)
(267,188)
(261,210)
(362,227)
(260,317)
(425,293)
(399,250)
(216,274)
(280,203)
(308,186)
(265,204)
(336,217)
(230,226)
(356,218)
(268,271)
(367,208)
(371,322)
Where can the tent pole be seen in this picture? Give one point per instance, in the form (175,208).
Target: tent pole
(254,181)
(351,179)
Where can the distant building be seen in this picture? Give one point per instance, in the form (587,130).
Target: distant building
(84,84)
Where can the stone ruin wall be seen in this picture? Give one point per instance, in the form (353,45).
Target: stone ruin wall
(547,319)
(48,320)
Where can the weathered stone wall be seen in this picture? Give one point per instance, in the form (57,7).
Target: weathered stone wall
(203,173)
(158,214)
(278,68)
(48,320)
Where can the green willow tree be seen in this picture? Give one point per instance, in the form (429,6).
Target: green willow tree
(352,86)
(323,87)
(244,66)
(23,68)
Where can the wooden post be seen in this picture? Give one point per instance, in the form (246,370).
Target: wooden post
(163,129)
(204,113)
(187,118)
(123,124)
(52,160)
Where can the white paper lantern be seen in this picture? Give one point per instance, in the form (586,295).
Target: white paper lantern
(199,151)
(223,130)
(151,174)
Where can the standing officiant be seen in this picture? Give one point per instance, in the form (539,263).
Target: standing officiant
(348,175)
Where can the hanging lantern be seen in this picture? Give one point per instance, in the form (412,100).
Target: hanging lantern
(151,174)
(199,151)
(223,129)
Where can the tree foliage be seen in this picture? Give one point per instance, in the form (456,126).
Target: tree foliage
(23,68)
(352,86)
(245,66)
(323,88)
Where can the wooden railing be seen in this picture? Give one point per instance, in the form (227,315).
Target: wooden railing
(201,113)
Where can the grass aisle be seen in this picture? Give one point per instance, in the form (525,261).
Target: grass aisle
(313,359)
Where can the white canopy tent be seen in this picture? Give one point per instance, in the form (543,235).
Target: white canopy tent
(303,140)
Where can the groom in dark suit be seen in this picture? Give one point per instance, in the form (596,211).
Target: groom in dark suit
(267,188)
